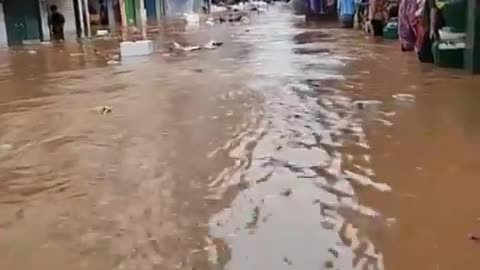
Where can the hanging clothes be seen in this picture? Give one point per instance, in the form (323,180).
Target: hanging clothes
(426,29)
(346,12)
(407,24)
(320,7)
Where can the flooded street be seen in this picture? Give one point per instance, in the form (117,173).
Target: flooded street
(292,146)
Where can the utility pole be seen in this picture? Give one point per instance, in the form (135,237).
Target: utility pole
(88,31)
(209,6)
(111,16)
(81,19)
(472,53)
(158,10)
(123,14)
(143,19)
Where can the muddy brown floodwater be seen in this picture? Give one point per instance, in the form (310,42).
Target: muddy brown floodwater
(293,146)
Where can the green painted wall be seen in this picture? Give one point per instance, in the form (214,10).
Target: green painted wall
(131,12)
(22,21)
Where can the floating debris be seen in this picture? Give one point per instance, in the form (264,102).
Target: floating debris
(329,264)
(210,21)
(391,221)
(255,216)
(218,9)
(309,51)
(77,54)
(245,19)
(366,181)
(388,114)
(211,250)
(328,225)
(334,252)
(104,109)
(212,45)
(473,237)
(179,47)
(113,62)
(364,104)
(287,192)
(287,260)
(404,97)
(384,122)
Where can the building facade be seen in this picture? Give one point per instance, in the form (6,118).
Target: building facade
(26,22)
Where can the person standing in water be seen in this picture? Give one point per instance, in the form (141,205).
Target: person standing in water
(346,12)
(56,21)
(376,13)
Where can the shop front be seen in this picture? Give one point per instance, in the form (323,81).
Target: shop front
(21,22)
(27,22)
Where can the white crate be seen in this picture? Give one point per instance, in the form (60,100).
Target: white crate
(137,48)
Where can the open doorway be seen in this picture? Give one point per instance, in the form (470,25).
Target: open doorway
(104,14)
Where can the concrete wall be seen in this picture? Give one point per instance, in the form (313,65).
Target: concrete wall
(3,28)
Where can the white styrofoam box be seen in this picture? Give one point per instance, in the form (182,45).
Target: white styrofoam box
(137,48)
(101,33)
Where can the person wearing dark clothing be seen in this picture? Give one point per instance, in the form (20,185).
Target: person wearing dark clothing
(426,29)
(56,21)
(103,13)
(376,15)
